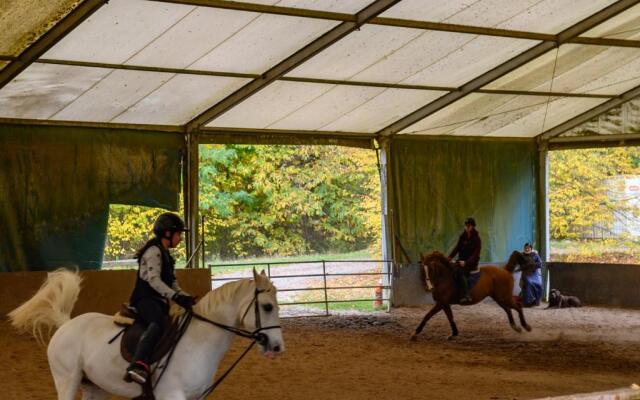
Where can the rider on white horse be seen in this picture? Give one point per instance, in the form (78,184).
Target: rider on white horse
(155,286)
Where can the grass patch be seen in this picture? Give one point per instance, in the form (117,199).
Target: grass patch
(615,251)
(362,306)
(261,263)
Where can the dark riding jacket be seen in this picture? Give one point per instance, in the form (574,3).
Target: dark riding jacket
(156,278)
(468,249)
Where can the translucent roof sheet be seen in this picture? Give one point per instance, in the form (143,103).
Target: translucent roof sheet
(577,69)
(43,90)
(620,120)
(625,25)
(411,56)
(180,99)
(502,115)
(162,35)
(24,21)
(180,36)
(309,106)
(340,6)
(544,16)
(104,95)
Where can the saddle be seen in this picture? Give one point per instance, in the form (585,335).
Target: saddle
(474,277)
(134,328)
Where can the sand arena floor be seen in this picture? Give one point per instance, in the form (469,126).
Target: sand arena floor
(368,356)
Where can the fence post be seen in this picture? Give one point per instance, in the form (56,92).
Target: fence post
(390,283)
(269,270)
(326,299)
(204,265)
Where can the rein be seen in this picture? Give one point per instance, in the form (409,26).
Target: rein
(256,336)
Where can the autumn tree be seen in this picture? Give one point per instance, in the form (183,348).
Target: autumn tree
(580,183)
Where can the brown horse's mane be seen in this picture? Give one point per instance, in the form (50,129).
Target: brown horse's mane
(437,256)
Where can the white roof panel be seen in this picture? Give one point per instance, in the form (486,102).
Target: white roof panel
(544,16)
(114,94)
(502,115)
(170,49)
(411,56)
(179,36)
(42,90)
(118,31)
(180,99)
(625,25)
(577,69)
(309,106)
(262,43)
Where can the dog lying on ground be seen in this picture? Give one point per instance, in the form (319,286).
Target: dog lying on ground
(558,300)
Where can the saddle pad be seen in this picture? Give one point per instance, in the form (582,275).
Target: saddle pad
(126,316)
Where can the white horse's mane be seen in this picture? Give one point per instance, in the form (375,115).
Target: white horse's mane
(224,295)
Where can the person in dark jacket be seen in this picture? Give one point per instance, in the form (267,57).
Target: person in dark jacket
(155,286)
(468,251)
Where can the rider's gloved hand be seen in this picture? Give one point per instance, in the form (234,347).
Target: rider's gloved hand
(184,300)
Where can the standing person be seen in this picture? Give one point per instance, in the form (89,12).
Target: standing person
(155,286)
(468,251)
(531,277)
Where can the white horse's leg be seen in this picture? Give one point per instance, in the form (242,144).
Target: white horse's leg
(175,395)
(92,392)
(66,382)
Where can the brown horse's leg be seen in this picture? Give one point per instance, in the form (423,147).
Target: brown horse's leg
(434,310)
(454,328)
(518,307)
(507,309)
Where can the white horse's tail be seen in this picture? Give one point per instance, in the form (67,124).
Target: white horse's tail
(50,307)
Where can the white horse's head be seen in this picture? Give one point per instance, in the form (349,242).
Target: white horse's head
(263,314)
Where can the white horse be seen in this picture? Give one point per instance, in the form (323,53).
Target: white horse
(80,356)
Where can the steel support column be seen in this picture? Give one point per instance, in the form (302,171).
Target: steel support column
(191,203)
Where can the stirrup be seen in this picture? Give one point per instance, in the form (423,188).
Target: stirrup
(137,373)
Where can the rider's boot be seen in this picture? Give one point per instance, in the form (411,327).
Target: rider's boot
(466,298)
(139,370)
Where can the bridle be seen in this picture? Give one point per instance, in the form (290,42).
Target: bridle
(427,278)
(256,336)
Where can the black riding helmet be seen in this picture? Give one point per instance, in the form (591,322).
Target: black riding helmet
(168,222)
(470,221)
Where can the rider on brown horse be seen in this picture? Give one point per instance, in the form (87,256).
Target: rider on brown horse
(468,251)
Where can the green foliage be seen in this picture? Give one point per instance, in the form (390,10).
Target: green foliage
(579,189)
(286,200)
(129,229)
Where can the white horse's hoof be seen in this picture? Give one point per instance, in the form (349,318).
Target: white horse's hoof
(516,328)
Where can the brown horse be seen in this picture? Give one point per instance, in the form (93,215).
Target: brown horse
(494,281)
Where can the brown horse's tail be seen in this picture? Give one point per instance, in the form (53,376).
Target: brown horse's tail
(514,259)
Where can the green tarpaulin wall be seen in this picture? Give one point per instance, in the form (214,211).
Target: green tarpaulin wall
(437,183)
(56,185)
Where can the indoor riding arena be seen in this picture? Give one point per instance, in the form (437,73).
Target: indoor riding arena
(460,102)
